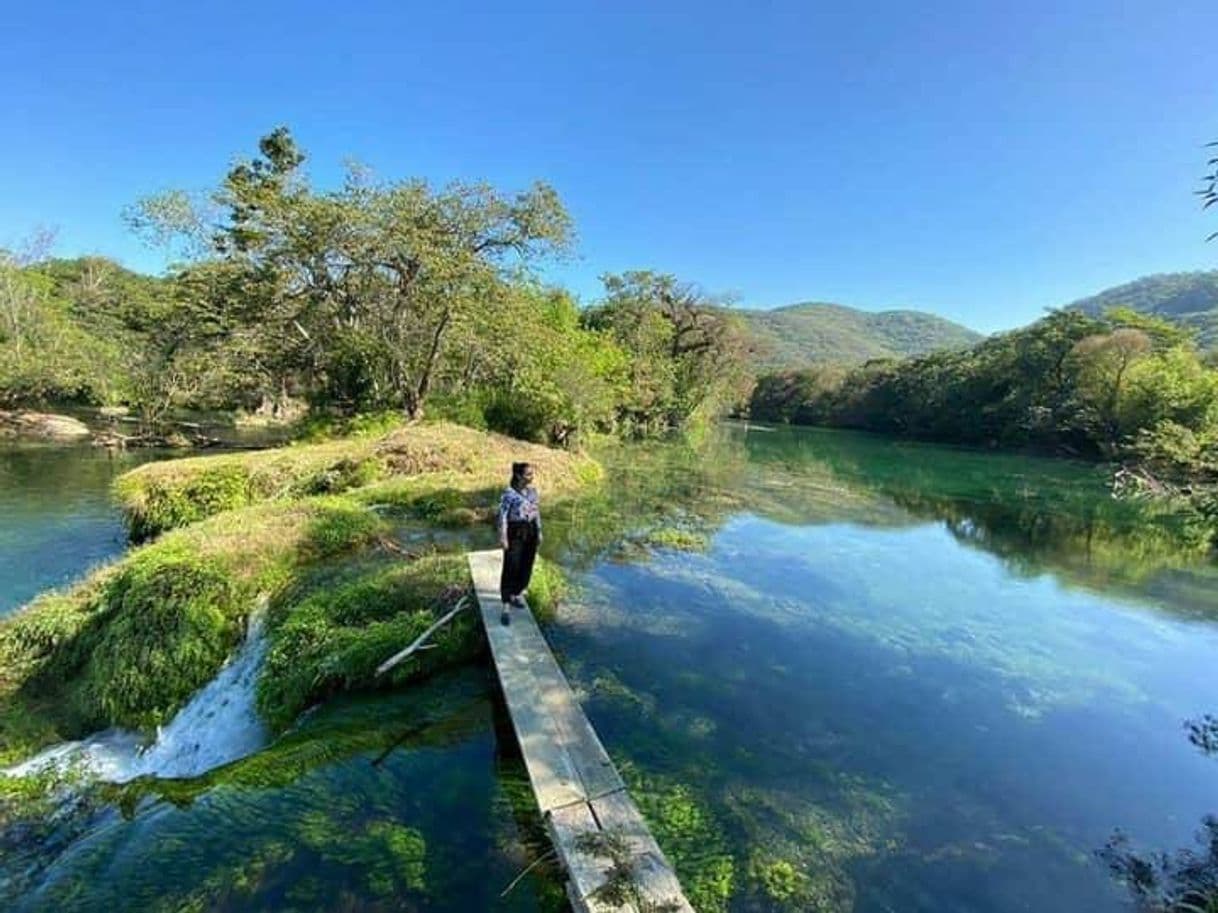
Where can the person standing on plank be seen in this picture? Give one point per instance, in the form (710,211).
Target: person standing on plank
(519,535)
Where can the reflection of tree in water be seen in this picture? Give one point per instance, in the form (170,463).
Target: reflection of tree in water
(1185,881)
(1203,733)
(1037,515)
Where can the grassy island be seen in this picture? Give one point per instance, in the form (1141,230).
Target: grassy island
(319,534)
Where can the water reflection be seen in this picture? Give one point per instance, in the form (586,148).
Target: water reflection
(838,672)
(1037,515)
(896,677)
(56,516)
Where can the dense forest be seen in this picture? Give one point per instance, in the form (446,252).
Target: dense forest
(1187,299)
(1124,386)
(376,296)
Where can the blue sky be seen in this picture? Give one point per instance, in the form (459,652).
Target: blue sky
(982,160)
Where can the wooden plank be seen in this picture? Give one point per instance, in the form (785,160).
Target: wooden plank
(577,786)
(551,771)
(553,774)
(596,770)
(535,684)
(617,814)
(587,872)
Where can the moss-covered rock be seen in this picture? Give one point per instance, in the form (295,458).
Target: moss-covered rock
(329,633)
(131,643)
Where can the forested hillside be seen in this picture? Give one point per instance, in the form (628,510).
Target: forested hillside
(69,329)
(1189,300)
(801,335)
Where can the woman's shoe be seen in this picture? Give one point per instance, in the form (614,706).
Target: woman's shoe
(505,617)
(518,601)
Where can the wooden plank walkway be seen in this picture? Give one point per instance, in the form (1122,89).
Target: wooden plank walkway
(580,794)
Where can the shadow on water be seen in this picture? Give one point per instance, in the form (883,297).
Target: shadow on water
(1183,881)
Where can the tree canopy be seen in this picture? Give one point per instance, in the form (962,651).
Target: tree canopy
(373,295)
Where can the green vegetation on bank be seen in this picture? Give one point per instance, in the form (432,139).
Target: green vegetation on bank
(1122,387)
(437,470)
(374,296)
(131,643)
(69,329)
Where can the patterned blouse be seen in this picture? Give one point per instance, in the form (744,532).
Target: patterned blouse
(518,506)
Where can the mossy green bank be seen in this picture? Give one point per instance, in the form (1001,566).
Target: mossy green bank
(313,533)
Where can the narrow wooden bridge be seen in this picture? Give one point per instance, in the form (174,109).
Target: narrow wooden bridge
(612,861)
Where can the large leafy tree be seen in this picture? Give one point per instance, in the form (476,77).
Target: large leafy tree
(358,293)
(48,354)
(536,372)
(688,355)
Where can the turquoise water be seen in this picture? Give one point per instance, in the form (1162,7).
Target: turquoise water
(886,677)
(56,515)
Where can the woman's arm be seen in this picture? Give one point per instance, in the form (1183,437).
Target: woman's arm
(501,521)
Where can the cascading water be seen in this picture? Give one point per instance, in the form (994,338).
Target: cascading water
(218,725)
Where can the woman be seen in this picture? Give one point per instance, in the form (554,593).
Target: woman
(519,535)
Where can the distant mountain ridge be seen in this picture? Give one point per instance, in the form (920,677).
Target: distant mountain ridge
(812,332)
(1187,299)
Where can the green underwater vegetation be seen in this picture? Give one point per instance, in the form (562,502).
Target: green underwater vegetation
(719,606)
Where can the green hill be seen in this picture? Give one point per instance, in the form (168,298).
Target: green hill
(1187,299)
(814,332)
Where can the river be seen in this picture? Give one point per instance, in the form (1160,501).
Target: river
(875,676)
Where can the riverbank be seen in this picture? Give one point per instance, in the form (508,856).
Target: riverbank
(41,427)
(319,533)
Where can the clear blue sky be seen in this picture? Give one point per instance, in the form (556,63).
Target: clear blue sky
(976,158)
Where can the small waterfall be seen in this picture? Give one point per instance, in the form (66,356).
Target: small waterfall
(218,725)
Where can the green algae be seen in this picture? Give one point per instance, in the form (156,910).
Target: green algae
(677,539)
(690,834)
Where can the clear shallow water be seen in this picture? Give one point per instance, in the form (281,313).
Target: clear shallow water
(56,516)
(895,678)
(925,679)
(395,803)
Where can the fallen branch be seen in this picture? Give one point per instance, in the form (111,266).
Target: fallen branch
(418,641)
(548,854)
(390,546)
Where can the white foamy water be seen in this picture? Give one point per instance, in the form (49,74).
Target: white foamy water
(218,725)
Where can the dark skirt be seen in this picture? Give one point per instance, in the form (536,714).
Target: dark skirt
(518,559)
